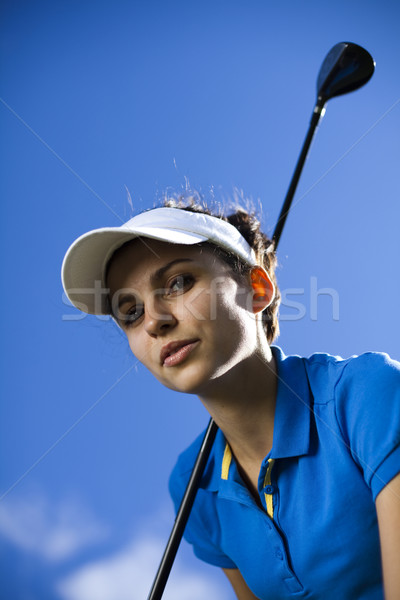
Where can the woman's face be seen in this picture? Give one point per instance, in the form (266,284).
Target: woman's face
(186,317)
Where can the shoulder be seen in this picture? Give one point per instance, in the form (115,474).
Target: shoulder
(371,379)
(367,407)
(364,395)
(365,389)
(333,377)
(367,397)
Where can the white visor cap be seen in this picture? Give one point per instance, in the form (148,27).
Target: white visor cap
(84,266)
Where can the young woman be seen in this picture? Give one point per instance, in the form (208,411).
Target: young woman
(301,495)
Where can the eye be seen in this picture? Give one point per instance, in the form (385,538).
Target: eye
(180,284)
(131,316)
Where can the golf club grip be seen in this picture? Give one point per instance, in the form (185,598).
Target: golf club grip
(182,516)
(315,118)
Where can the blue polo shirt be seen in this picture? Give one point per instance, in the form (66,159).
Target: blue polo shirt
(336,444)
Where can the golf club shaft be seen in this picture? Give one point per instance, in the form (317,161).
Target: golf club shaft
(315,118)
(171,549)
(182,516)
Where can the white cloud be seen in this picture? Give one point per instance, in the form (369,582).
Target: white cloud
(53,532)
(57,532)
(128,575)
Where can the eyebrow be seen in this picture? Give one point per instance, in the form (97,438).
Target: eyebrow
(154,278)
(157,275)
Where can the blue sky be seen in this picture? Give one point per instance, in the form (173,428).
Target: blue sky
(97,98)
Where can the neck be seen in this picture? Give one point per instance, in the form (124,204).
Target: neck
(242,403)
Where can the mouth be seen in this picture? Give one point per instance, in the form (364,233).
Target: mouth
(175,353)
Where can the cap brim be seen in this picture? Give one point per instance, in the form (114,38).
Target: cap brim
(85,262)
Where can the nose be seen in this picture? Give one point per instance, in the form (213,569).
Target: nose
(158,318)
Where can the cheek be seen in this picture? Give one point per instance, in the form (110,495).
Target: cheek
(196,306)
(231,305)
(237,325)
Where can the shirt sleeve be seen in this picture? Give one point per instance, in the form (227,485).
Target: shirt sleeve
(368,411)
(202,527)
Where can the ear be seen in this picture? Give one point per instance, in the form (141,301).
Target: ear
(263,289)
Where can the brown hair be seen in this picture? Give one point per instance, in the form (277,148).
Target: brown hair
(249,226)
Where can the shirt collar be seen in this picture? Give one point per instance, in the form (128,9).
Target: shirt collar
(293,407)
(291,425)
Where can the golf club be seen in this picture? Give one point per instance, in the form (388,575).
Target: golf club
(346,68)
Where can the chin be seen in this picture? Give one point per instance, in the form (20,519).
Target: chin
(187,381)
(184,387)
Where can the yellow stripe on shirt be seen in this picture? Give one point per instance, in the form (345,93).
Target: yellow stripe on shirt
(267,481)
(226,462)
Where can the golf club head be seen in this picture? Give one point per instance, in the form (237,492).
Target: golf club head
(346,67)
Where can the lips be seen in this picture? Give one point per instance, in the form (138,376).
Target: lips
(176,352)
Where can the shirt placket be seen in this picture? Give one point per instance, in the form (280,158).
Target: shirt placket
(268,490)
